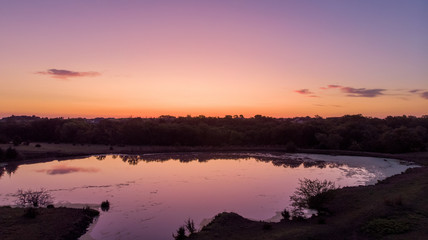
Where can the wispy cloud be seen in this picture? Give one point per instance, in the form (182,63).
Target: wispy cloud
(415,90)
(65,74)
(357,92)
(363,92)
(331,87)
(304,91)
(367,92)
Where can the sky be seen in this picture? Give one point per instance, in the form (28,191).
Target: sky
(89,58)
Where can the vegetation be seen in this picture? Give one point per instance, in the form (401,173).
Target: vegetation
(105,206)
(350,132)
(285,215)
(9,155)
(181,234)
(32,198)
(190,226)
(310,194)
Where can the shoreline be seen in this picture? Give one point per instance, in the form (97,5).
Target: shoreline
(49,152)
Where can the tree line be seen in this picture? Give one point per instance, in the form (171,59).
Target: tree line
(393,134)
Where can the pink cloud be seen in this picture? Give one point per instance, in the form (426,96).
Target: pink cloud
(331,87)
(65,74)
(303,91)
(362,92)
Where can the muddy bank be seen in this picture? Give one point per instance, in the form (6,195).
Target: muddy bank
(48,224)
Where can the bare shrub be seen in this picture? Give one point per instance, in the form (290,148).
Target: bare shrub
(190,226)
(311,194)
(32,198)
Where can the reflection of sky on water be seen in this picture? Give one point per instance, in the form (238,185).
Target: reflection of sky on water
(152,195)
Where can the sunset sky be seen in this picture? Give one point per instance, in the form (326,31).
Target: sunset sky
(103,58)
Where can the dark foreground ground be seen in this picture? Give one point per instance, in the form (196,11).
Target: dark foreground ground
(396,208)
(48,224)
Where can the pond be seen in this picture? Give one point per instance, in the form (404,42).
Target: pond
(152,195)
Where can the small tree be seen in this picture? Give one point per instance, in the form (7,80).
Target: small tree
(285,215)
(190,226)
(310,194)
(181,234)
(32,198)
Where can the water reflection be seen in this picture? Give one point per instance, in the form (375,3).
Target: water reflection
(278,159)
(64,169)
(9,169)
(152,194)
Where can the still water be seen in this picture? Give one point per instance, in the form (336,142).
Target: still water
(152,195)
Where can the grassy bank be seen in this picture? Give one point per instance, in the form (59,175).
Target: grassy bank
(48,224)
(395,208)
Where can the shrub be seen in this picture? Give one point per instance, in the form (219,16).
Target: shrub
(38,145)
(190,226)
(181,234)
(105,205)
(32,198)
(311,194)
(285,215)
(50,206)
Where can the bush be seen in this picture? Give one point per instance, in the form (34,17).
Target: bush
(38,145)
(285,215)
(32,198)
(181,234)
(190,226)
(105,206)
(311,194)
